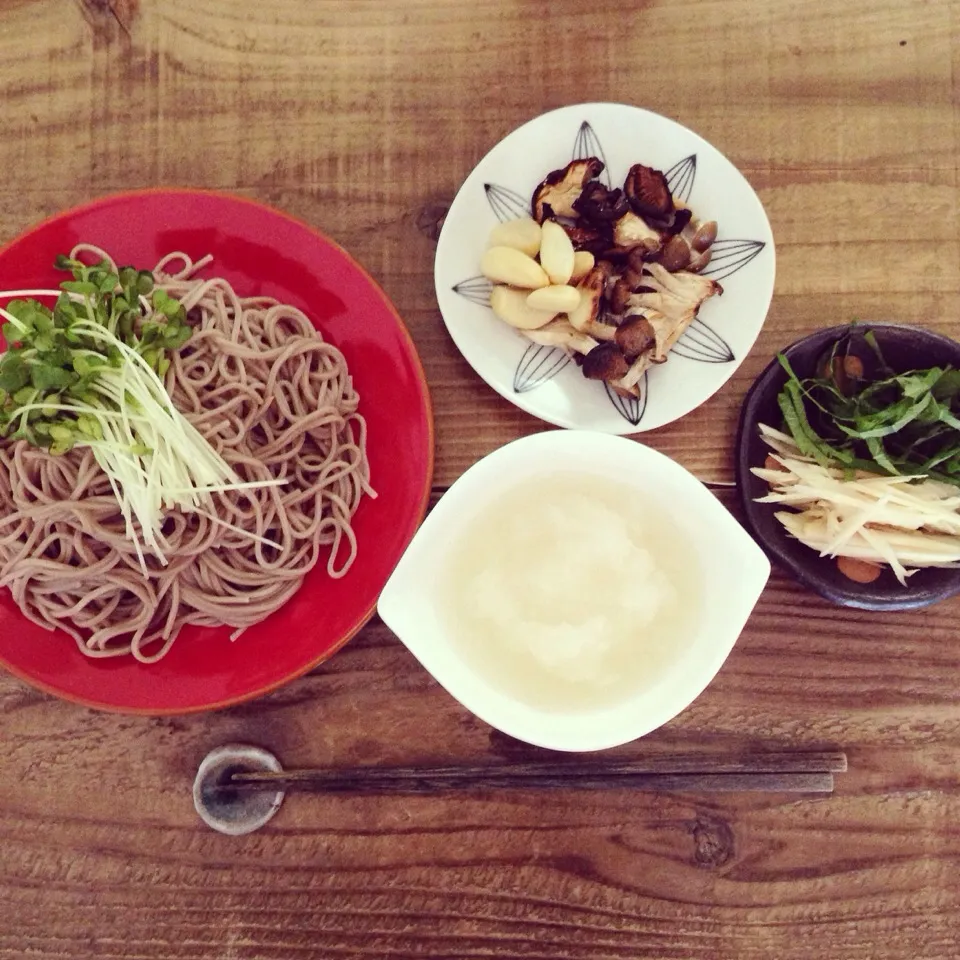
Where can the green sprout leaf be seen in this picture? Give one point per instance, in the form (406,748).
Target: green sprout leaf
(14,373)
(11,333)
(75,354)
(82,287)
(47,378)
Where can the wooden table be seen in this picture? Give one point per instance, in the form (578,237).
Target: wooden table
(357,116)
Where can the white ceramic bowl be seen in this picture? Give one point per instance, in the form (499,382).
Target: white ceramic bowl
(733,573)
(543,380)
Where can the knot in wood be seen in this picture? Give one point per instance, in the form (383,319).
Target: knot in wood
(713,844)
(430,218)
(103,14)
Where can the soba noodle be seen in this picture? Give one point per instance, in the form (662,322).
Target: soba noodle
(276,401)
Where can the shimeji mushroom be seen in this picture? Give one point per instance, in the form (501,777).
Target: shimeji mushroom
(690,248)
(635,336)
(623,289)
(643,341)
(667,330)
(665,306)
(672,294)
(605,362)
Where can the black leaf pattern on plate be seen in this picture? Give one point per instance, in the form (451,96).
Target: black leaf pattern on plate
(475,289)
(506,204)
(630,408)
(587,144)
(680,178)
(538,365)
(701,342)
(729,256)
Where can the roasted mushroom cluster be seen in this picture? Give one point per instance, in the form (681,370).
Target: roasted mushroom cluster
(611,275)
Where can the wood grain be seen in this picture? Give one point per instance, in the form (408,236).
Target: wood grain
(363,117)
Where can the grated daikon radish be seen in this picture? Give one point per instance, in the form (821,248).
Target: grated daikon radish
(571,592)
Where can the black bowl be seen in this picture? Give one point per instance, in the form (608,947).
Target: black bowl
(904,348)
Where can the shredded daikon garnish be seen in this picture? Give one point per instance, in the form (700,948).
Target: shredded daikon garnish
(906,522)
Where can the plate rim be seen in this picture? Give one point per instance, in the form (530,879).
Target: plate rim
(519,400)
(420,510)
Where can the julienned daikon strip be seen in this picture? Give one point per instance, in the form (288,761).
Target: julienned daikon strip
(888,505)
(245,533)
(847,527)
(178,454)
(172,477)
(156,474)
(925,503)
(912,548)
(902,521)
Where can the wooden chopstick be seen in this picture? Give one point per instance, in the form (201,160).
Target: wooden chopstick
(807,772)
(689,782)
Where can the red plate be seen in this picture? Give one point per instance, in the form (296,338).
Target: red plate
(260,251)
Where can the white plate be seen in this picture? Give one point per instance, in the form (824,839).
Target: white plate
(543,380)
(732,573)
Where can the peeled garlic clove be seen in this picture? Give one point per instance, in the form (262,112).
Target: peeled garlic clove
(510,266)
(583,261)
(556,252)
(511,306)
(522,235)
(705,236)
(559,298)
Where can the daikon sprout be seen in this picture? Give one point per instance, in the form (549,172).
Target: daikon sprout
(88,373)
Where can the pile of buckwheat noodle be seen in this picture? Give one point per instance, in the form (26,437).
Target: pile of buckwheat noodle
(258,381)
